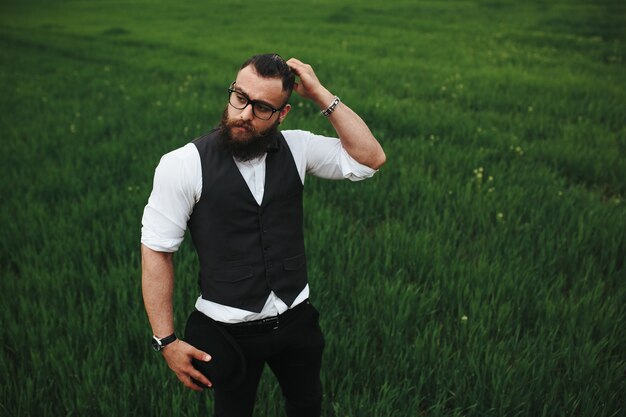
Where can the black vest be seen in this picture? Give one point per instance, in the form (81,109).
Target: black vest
(246,250)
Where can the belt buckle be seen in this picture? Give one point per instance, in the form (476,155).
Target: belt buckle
(273,321)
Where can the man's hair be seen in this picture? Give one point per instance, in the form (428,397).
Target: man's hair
(272,66)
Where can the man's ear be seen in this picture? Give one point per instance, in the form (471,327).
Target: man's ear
(283,113)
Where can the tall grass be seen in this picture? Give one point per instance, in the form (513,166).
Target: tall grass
(479,273)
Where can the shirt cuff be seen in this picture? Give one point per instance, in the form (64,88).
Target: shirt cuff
(159,244)
(353,170)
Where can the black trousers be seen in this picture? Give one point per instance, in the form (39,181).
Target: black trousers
(292,348)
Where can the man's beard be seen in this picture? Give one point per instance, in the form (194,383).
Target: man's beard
(250,144)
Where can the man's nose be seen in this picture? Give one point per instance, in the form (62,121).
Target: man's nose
(247,113)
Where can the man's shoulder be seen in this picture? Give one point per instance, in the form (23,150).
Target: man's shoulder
(295,134)
(298,134)
(179,168)
(184,153)
(297,141)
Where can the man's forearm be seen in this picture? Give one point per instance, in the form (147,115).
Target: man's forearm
(157,284)
(355,136)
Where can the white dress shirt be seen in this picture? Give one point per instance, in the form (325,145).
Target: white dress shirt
(178,185)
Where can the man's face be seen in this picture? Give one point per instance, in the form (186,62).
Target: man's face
(243,125)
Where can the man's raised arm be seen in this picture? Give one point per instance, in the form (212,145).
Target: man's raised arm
(356,138)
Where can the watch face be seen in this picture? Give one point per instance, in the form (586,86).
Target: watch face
(156,344)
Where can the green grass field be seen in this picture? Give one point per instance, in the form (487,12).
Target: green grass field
(479,273)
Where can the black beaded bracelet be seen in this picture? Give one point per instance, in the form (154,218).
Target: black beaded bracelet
(332,107)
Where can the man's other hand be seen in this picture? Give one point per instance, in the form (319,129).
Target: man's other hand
(178,356)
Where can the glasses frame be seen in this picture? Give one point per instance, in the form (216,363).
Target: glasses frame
(251,102)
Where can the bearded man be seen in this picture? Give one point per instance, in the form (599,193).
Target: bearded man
(239,191)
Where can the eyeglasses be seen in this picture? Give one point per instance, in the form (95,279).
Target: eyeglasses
(240,101)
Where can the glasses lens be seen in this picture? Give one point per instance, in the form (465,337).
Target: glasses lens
(262,111)
(238,101)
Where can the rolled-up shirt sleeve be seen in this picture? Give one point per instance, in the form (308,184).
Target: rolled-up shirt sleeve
(324,157)
(176,188)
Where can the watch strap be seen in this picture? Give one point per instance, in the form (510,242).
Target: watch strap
(161,343)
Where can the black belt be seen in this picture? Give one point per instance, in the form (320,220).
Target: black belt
(266,324)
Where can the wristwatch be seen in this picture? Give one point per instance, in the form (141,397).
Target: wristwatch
(159,344)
